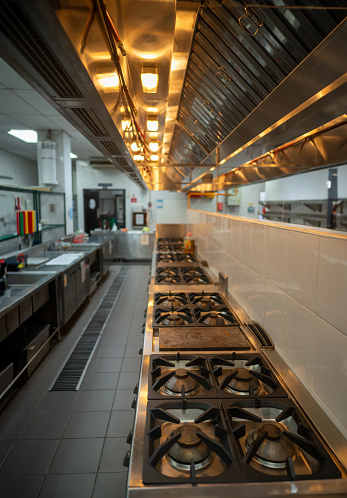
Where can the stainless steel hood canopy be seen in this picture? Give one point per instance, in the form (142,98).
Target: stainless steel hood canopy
(241,84)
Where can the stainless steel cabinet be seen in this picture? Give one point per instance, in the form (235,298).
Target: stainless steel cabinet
(69,294)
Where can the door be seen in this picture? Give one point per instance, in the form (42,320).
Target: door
(91,210)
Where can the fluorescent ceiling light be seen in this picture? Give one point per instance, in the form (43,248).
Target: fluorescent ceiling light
(154,157)
(152,124)
(29,136)
(149,80)
(108,81)
(73,156)
(153,146)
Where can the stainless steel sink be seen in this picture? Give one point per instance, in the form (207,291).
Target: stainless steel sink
(25,278)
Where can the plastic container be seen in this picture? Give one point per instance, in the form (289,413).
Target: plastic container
(189,243)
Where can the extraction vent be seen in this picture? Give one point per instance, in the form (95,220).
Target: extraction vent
(115,151)
(23,35)
(91,121)
(74,369)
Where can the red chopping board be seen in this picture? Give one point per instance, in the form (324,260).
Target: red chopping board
(200,338)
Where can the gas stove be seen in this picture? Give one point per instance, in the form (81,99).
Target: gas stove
(244,374)
(180,376)
(170,245)
(181,275)
(187,441)
(275,441)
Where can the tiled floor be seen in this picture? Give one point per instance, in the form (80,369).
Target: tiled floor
(72,444)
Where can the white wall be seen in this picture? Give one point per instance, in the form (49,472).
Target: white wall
(249,195)
(174,203)
(293,282)
(22,171)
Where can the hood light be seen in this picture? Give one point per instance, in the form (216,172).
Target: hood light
(149,80)
(154,157)
(126,124)
(152,123)
(153,146)
(139,157)
(28,136)
(134,147)
(108,81)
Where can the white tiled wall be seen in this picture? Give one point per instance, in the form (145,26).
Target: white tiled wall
(292,281)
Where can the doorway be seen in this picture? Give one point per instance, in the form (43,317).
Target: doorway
(103,208)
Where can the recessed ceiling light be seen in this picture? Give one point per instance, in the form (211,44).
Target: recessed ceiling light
(149,80)
(153,146)
(152,123)
(73,156)
(29,136)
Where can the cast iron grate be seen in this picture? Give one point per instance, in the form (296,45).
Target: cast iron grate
(74,369)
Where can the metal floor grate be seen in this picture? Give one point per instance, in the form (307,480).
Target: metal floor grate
(71,375)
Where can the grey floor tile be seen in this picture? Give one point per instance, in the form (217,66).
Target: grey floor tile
(131,364)
(131,352)
(113,455)
(135,340)
(87,425)
(77,456)
(68,486)
(120,423)
(128,380)
(12,424)
(25,401)
(109,339)
(5,448)
(123,399)
(58,401)
(95,401)
(47,425)
(106,484)
(110,352)
(105,365)
(30,457)
(101,380)
(13,487)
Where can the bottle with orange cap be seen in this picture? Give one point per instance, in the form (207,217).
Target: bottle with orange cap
(189,243)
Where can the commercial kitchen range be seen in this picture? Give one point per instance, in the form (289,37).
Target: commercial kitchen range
(214,416)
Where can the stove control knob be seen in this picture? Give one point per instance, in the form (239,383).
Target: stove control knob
(126,460)
(130,437)
(136,389)
(133,404)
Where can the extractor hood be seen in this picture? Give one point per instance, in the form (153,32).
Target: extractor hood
(237,83)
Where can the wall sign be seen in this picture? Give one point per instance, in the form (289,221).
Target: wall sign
(160,203)
(133,198)
(144,239)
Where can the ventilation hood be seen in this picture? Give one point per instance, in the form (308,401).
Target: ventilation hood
(244,94)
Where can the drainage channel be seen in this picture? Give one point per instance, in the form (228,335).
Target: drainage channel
(72,373)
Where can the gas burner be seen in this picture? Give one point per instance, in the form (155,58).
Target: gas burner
(168,299)
(190,279)
(187,441)
(208,301)
(188,447)
(192,272)
(272,448)
(166,258)
(177,247)
(177,375)
(164,248)
(181,380)
(186,258)
(216,318)
(167,272)
(162,279)
(244,374)
(276,441)
(172,317)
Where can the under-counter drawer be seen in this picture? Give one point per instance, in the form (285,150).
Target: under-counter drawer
(6,377)
(40,298)
(12,320)
(25,309)
(40,335)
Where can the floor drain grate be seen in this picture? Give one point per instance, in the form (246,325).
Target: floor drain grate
(71,375)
